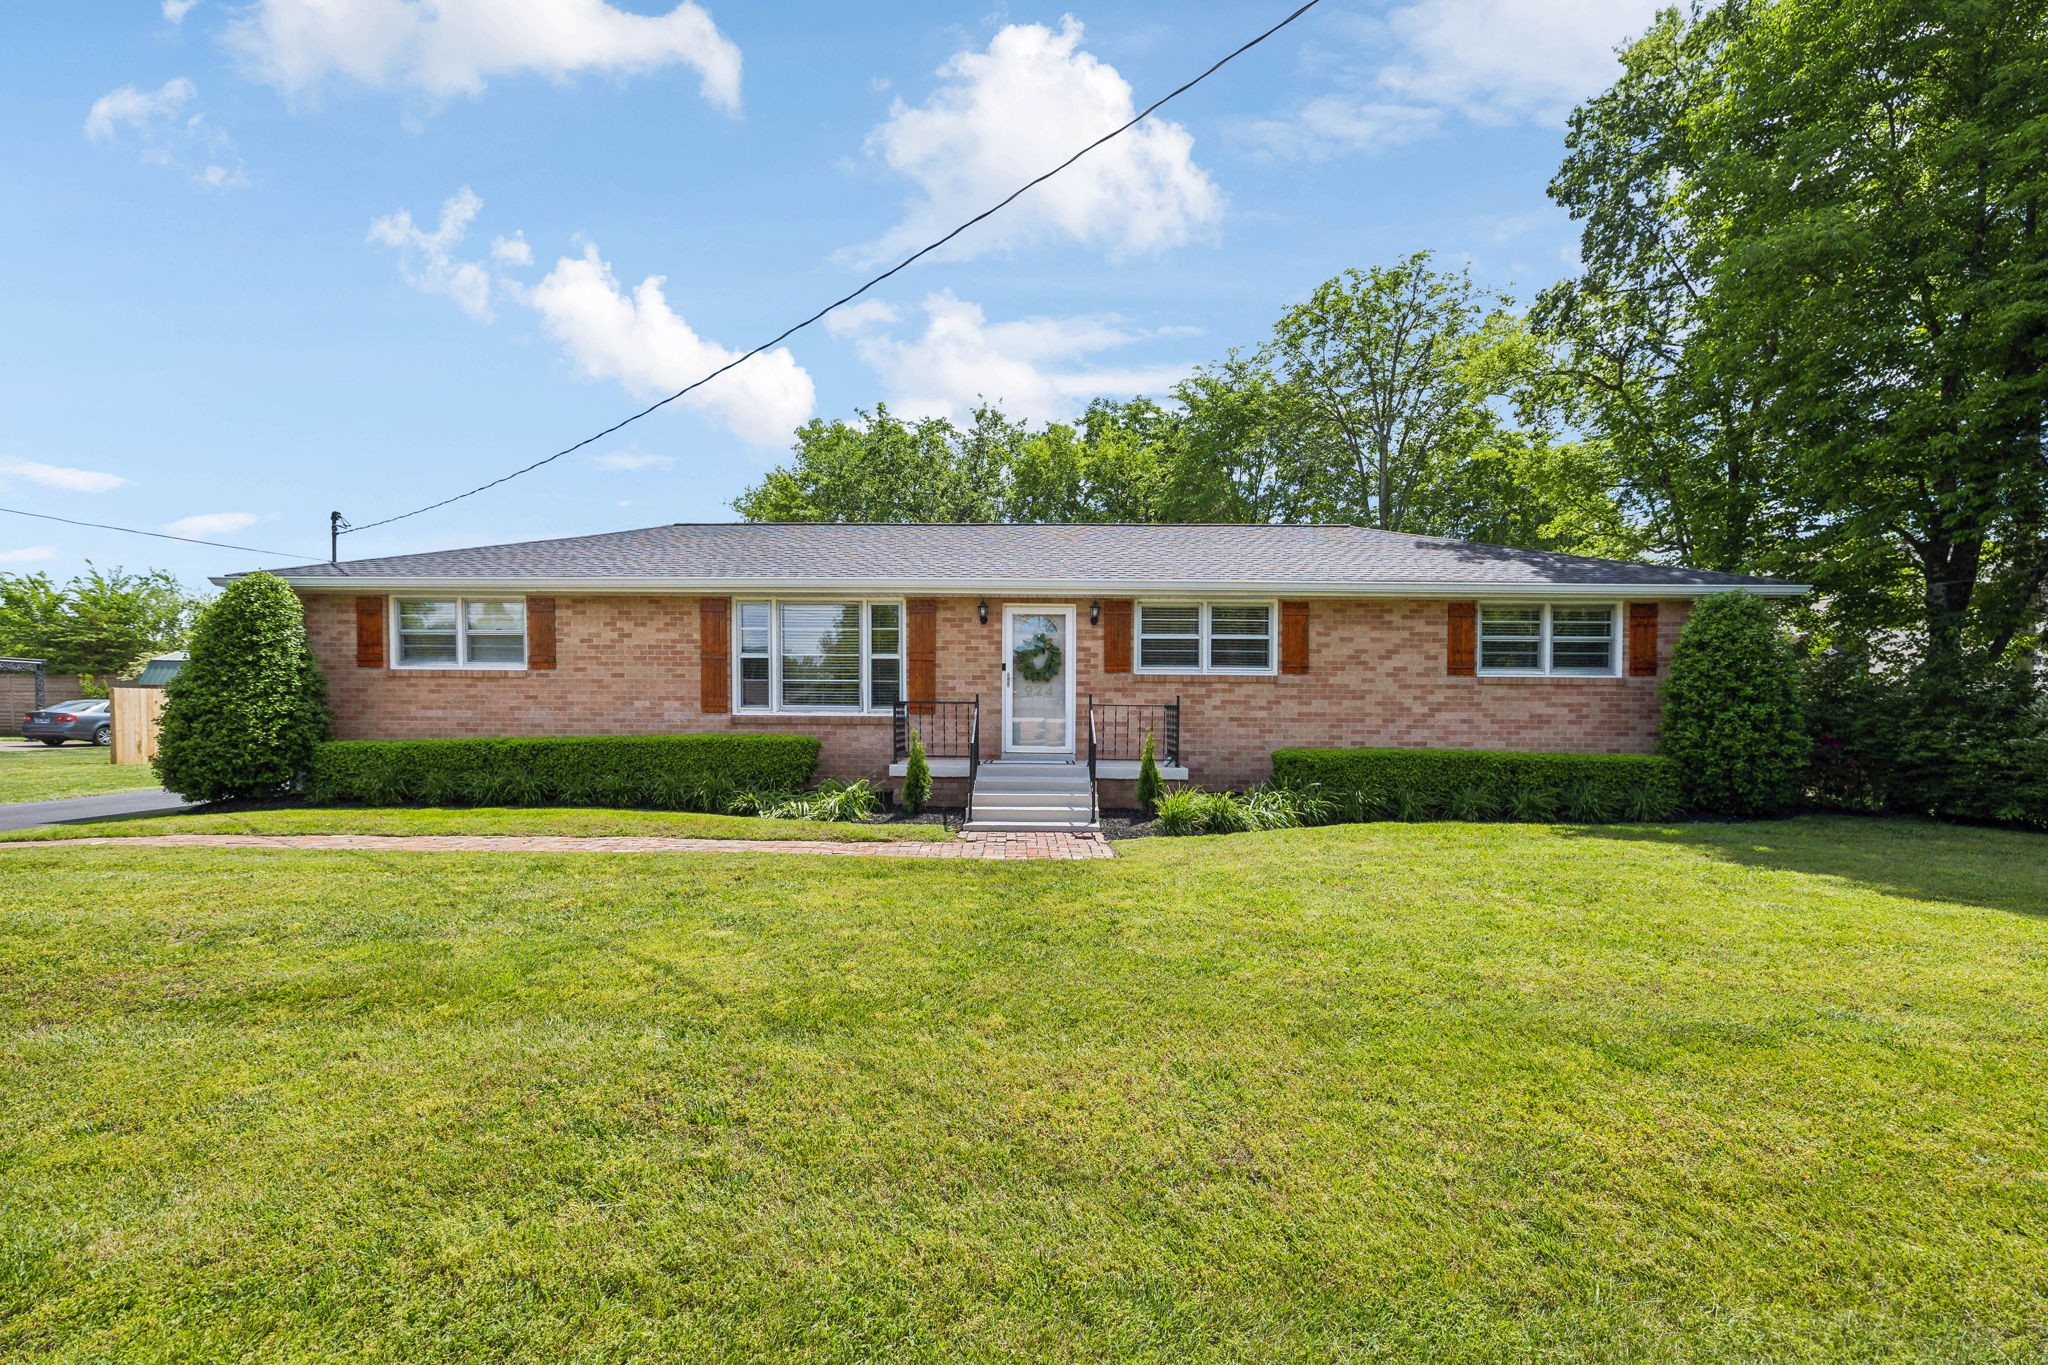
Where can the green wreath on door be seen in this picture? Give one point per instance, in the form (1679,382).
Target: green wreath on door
(1038,660)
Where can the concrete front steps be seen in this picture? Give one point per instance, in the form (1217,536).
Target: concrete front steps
(1032,795)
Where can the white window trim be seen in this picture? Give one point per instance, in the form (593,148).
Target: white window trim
(1203,637)
(867,655)
(1615,641)
(395,645)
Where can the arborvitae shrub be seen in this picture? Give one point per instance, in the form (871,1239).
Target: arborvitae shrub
(1733,721)
(917,776)
(242,718)
(1150,786)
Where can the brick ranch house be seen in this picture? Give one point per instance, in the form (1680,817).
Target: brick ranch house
(1010,642)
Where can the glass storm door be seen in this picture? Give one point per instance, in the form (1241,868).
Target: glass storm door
(1038,680)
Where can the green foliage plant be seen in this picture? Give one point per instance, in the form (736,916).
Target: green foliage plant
(1150,785)
(696,771)
(917,776)
(246,715)
(1733,719)
(1420,784)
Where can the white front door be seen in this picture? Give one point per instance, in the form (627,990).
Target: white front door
(1038,680)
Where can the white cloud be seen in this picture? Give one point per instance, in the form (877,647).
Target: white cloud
(176,10)
(427,259)
(640,341)
(1494,64)
(1017,110)
(137,110)
(858,317)
(28,554)
(213,524)
(156,123)
(632,459)
(59,476)
(454,47)
(511,250)
(636,339)
(1031,368)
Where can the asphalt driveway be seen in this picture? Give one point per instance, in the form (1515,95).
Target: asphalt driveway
(28,814)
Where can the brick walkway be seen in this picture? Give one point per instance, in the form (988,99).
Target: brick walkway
(1037,847)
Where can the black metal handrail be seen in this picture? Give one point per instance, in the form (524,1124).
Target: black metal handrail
(948,729)
(1117,730)
(1094,815)
(973,754)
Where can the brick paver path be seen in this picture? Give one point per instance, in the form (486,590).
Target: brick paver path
(1060,847)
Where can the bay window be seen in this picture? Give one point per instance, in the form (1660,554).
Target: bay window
(1549,640)
(1205,637)
(818,656)
(461,632)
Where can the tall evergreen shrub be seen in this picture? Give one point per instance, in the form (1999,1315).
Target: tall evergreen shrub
(1733,720)
(917,776)
(1150,785)
(241,718)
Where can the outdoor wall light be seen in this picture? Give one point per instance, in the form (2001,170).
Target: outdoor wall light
(981,610)
(1095,613)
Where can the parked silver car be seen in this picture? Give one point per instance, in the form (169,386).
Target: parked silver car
(87,720)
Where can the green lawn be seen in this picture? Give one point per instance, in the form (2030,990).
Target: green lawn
(577,821)
(44,774)
(1403,1092)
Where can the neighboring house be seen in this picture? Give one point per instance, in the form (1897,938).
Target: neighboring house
(1226,642)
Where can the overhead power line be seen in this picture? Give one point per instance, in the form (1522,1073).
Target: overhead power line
(914,256)
(159,535)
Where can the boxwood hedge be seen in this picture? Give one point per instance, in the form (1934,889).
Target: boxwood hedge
(672,772)
(1478,784)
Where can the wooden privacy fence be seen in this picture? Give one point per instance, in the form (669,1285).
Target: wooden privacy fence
(137,712)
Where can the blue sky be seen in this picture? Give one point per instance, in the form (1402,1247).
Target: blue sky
(273,257)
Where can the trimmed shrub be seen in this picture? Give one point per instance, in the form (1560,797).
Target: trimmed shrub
(917,776)
(243,718)
(1150,786)
(1477,784)
(1733,722)
(668,772)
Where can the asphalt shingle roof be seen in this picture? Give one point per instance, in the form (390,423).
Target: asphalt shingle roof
(1089,557)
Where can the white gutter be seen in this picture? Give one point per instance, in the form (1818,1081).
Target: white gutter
(1017,588)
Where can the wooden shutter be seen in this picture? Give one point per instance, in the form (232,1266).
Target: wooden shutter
(540,632)
(714,655)
(921,649)
(369,632)
(1642,639)
(1461,641)
(1116,636)
(1294,637)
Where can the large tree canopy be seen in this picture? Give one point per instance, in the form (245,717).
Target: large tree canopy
(1815,310)
(1401,397)
(102,623)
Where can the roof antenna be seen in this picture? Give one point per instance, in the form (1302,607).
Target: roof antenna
(336,524)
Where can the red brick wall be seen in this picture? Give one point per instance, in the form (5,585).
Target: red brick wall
(628,665)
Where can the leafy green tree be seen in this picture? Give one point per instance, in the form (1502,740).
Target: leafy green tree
(879,469)
(1394,370)
(101,624)
(242,717)
(1733,718)
(1812,321)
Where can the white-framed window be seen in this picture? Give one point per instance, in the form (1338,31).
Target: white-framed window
(459,632)
(1205,637)
(803,655)
(1567,640)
